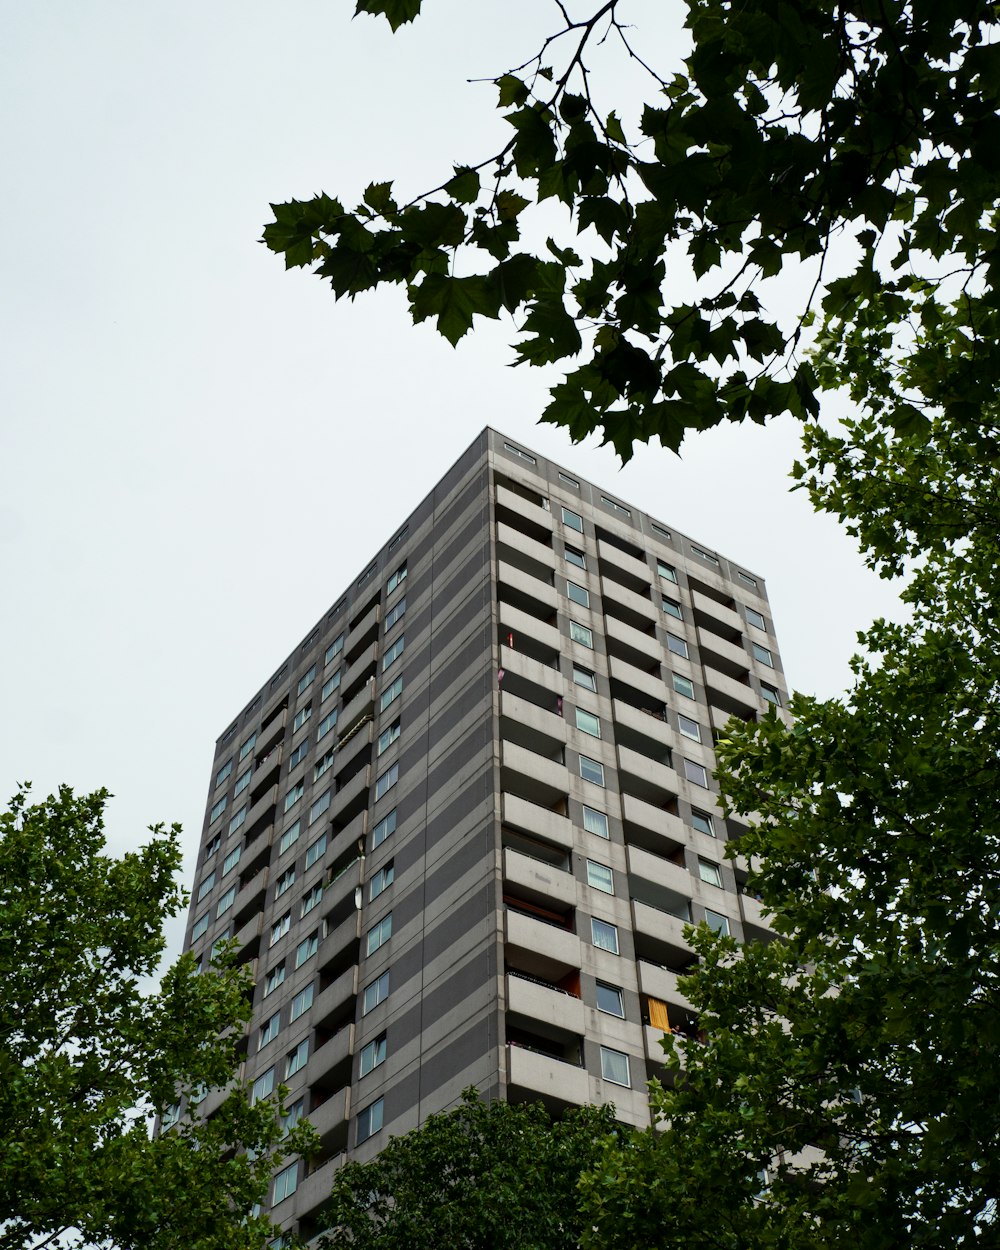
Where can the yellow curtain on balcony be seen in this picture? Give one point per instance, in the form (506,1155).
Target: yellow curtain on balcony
(658,1015)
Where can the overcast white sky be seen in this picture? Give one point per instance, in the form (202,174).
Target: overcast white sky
(198,451)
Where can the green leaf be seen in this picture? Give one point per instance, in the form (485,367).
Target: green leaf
(464,187)
(512,90)
(396,12)
(454,301)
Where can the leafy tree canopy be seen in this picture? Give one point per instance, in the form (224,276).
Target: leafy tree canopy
(856,1061)
(482,1177)
(87,1057)
(856,146)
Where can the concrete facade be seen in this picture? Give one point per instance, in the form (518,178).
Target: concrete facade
(460,830)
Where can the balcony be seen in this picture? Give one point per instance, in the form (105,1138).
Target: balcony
(650,826)
(330,1120)
(261,814)
(727,657)
(645,777)
(661,983)
(626,570)
(339,950)
(353,798)
(659,936)
(649,685)
(358,742)
(539,1076)
(532,776)
(538,882)
(530,634)
(358,673)
(519,548)
(328,1011)
(248,938)
(355,710)
(250,898)
(755,926)
(363,633)
(545,1005)
(710,615)
(265,772)
(525,591)
(339,895)
(672,879)
(628,605)
(643,724)
(653,1040)
(538,821)
(518,665)
(539,519)
(545,950)
(530,725)
(269,737)
(731,696)
(632,645)
(328,1062)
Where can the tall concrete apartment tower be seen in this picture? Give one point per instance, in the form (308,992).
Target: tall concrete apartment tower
(460,830)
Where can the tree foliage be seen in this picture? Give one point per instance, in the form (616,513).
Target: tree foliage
(482,1177)
(854,146)
(87,1056)
(856,1059)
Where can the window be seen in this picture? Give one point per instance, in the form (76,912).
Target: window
(323,763)
(307,679)
(334,649)
(576,557)
(242,781)
(614,1067)
(762,654)
(227,900)
(516,451)
(223,772)
(396,579)
(375,993)
(745,577)
(320,805)
(291,1117)
(381,880)
(170,1117)
(315,850)
(581,634)
(609,1000)
(394,613)
(299,754)
(591,770)
(312,899)
(367,573)
(238,819)
(393,652)
(677,645)
(399,538)
(280,927)
(705,555)
(379,934)
(306,949)
(702,822)
(578,594)
(285,1183)
(385,783)
(297,1059)
(289,837)
(385,827)
(372,1055)
(294,794)
(263,1086)
(369,1121)
(232,859)
(206,886)
(388,736)
(770,694)
(285,882)
(755,619)
(696,773)
(585,678)
(666,571)
(569,481)
(301,716)
(688,727)
(326,724)
(213,846)
(595,822)
(302,1001)
(588,723)
(716,922)
(603,935)
(269,1031)
(274,978)
(709,872)
(683,685)
(390,694)
(615,507)
(671,607)
(217,809)
(658,529)
(572,520)
(600,877)
(331,684)
(220,941)
(200,926)
(247,747)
